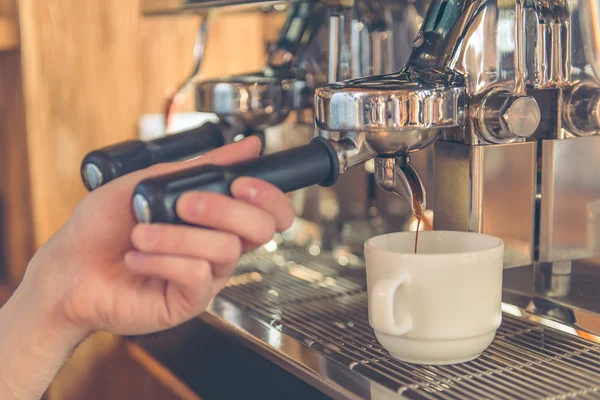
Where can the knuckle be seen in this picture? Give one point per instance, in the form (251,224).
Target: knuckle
(143,237)
(201,274)
(266,193)
(188,207)
(289,216)
(267,229)
(232,249)
(157,240)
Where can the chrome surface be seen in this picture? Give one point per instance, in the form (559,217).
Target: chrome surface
(513,44)
(503,116)
(397,175)
(566,292)
(447,63)
(398,112)
(308,313)
(92,176)
(582,109)
(257,100)
(141,209)
(380,22)
(352,150)
(587,36)
(539,52)
(488,189)
(336,42)
(556,279)
(570,193)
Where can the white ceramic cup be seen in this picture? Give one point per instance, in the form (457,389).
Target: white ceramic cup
(441,305)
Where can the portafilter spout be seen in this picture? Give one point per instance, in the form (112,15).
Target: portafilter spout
(396,175)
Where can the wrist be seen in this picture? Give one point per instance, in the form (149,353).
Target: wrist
(34,344)
(42,316)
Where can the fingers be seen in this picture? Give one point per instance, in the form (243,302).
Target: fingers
(191,273)
(187,288)
(184,241)
(266,197)
(232,153)
(184,271)
(226,214)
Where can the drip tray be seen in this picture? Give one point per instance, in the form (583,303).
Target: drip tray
(323,306)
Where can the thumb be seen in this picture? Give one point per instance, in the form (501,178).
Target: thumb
(230,154)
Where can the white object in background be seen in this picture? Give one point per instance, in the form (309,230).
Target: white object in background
(152,126)
(441,305)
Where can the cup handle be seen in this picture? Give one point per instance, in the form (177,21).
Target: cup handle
(382,299)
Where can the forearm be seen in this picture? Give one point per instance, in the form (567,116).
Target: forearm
(33,347)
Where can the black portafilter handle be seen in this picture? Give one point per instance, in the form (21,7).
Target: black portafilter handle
(103,165)
(315,163)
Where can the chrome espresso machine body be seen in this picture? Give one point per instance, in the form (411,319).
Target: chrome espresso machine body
(505,97)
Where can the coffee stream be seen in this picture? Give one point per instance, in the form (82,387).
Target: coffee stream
(419,215)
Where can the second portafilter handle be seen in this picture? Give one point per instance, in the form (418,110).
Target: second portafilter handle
(108,163)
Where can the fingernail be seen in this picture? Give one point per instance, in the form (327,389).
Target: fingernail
(251,192)
(248,193)
(200,204)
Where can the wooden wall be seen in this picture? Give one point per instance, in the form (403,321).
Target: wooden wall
(16,224)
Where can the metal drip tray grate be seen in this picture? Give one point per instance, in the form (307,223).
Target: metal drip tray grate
(329,311)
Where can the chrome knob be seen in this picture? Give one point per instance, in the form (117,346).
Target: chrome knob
(92,176)
(582,111)
(141,209)
(506,116)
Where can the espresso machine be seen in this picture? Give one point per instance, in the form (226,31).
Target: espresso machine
(503,97)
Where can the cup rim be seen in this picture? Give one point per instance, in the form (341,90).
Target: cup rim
(499,244)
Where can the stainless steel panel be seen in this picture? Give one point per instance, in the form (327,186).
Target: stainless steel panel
(575,305)
(570,190)
(309,314)
(488,189)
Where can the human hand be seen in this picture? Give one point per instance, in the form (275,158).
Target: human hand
(101,271)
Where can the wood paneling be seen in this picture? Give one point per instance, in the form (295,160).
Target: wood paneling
(82,90)
(16,222)
(92,68)
(9,34)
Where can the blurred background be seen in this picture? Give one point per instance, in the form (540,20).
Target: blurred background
(79,75)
